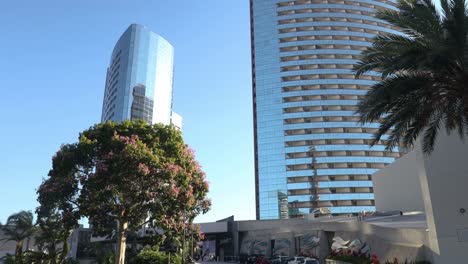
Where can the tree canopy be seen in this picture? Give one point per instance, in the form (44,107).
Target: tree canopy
(424,71)
(123,176)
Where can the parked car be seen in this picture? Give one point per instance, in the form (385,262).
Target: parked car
(311,261)
(280,260)
(296,260)
(276,261)
(262,260)
(243,259)
(251,259)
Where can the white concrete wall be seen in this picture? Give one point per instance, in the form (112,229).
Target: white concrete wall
(397,187)
(444,183)
(8,247)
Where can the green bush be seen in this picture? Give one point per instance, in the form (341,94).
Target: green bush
(408,262)
(35,257)
(106,258)
(352,259)
(71,261)
(150,256)
(10,259)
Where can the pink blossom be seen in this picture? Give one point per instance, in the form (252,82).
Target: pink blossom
(188,195)
(172,169)
(132,140)
(143,169)
(176,190)
(206,203)
(188,152)
(206,184)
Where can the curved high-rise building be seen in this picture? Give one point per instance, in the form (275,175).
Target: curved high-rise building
(139,78)
(311,151)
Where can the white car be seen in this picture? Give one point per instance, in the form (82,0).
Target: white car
(280,260)
(297,260)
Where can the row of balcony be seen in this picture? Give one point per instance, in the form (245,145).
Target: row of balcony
(325,87)
(314,204)
(328,76)
(337,165)
(316,66)
(320,56)
(324,10)
(324,37)
(343,153)
(323,46)
(322,97)
(328,178)
(305,2)
(301,109)
(328,28)
(344,190)
(334,19)
(315,142)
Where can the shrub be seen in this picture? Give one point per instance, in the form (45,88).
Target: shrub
(395,261)
(352,259)
(71,261)
(10,260)
(150,256)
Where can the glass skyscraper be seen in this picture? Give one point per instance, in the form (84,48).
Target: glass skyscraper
(311,152)
(139,78)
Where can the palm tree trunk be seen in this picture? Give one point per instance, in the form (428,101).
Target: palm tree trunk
(19,252)
(121,243)
(27,243)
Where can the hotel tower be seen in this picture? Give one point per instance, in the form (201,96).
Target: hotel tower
(311,152)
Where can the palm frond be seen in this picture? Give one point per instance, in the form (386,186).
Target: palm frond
(431,132)
(401,109)
(424,71)
(391,54)
(415,18)
(19,225)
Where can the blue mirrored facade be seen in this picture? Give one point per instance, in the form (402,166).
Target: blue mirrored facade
(311,151)
(139,78)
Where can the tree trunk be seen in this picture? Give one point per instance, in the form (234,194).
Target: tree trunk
(64,253)
(121,243)
(19,252)
(52,253)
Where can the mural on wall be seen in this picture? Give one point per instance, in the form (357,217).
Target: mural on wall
(355,246)
(281,247)
(254,246)
(309,244)
(208,248)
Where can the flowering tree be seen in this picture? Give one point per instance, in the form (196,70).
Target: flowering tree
(58,214)
(124,176)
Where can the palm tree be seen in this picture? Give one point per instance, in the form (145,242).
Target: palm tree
(19,227)
(424,71)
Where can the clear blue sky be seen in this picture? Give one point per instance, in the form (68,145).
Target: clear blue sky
(53,59)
